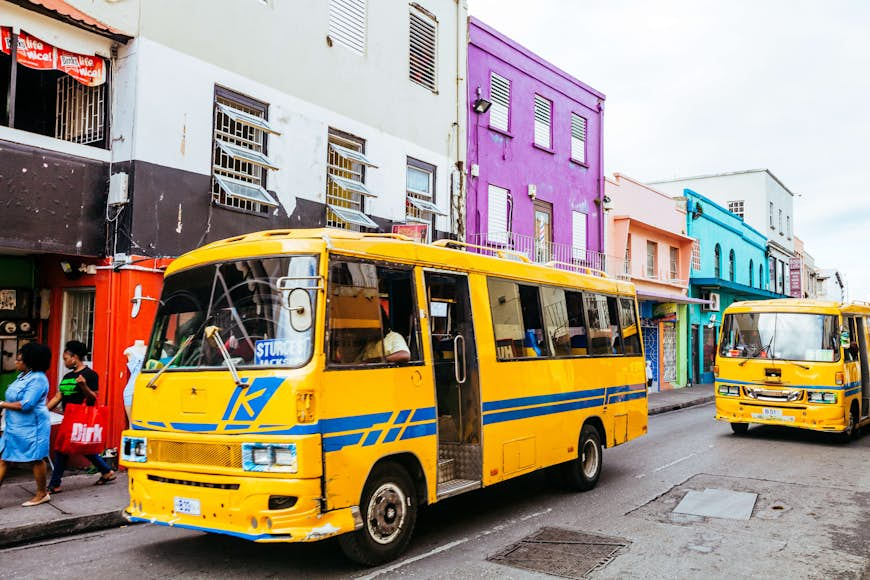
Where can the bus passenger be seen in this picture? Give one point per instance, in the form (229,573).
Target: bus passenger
(392,347)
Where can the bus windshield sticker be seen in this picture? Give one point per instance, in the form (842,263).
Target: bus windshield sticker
(282,351)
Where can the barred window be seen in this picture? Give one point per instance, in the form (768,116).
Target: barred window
(80,112)
(420,204)
(423,48)
(346,165)
(696,255)
(239,161)
(736,207)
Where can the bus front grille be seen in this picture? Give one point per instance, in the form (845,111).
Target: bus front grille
(212,454)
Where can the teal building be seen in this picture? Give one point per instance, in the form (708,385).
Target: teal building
(729,264)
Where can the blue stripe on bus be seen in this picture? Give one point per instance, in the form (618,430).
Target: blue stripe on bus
(353,423)
(424,414)
(252,537)
(539,411)
(392,434)
(851,392)
(540,399)
(422,430)
(194,427)
(237,427)
(620,389)
(402,417)
(627,397)
(372,437)
(336,442)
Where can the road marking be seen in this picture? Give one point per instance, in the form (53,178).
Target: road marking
(640,476)
(672,463)
(451,545)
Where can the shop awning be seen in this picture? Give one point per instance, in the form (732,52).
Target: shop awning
(66,12)
(735,288)
(668,297)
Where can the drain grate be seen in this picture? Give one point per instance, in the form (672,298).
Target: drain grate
(559,552)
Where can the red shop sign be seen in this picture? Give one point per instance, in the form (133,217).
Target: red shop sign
(34,53)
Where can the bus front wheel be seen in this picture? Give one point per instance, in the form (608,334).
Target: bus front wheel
(852,426)
(389,512)
(582,473)
(740,428)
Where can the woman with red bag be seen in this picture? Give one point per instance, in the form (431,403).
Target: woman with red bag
(28,427)
(79,386)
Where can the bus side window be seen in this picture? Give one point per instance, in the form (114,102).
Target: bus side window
(517,320)
(628,322)
(598,319)
(556,320)
(616,338)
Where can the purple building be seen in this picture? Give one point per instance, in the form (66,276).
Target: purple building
(536,180)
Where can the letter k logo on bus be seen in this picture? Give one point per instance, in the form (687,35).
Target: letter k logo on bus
(247,404)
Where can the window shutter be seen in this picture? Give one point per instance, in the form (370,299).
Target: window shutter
(578,234)
(422,50)
(578,138)
(347,24)
(543,111)
(497,222)
(500,97)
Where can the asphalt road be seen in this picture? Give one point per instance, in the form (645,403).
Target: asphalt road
(811,519)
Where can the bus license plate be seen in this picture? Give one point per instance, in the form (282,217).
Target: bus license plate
(771,413)
(186,505)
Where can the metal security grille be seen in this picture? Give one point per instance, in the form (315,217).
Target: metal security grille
(239,162)
(650,333)
(578,138)
(210,454)
(543,112)
(80,112)
(696,256)
(423,46)
(343,167)
(500,97)
(736,207)
(79,317)
(669,352)
(420,185)
(347,24)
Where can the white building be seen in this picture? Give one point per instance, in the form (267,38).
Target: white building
(763,202)
(832,285)
(233,116)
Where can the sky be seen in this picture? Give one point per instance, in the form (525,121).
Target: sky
(707,86)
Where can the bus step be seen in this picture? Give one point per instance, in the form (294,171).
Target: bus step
(456,486)
(446,470)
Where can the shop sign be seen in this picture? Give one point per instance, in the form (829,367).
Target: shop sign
(665,310)
(34,53)
(417,232)
(794,278)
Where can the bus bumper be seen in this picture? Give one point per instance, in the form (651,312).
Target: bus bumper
(235,506)
(831,419)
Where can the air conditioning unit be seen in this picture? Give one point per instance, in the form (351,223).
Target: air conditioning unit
(713,302)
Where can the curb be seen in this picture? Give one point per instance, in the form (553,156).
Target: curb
(681,405)
(63,527)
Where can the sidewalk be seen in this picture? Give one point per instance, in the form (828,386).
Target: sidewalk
(84,507)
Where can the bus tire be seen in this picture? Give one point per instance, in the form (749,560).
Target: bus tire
(389,511)
(740,428)
(582,473)
(851,431)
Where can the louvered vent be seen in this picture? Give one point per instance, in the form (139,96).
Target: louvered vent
(347,24)
(500,97)
(578,138)
(543,112)
(422,50)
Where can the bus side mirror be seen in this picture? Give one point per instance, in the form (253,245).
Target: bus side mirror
(299,303)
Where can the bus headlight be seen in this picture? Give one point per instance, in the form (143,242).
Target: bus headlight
(270,457)
(821,397)
(134,449)
(730,390)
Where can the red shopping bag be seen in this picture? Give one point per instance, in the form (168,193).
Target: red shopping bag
(83,430)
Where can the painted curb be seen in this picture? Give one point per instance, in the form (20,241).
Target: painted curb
(61,527)
(682,405)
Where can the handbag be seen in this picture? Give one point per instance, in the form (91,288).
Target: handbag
(83,430)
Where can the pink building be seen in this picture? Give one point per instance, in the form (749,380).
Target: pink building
(648,227)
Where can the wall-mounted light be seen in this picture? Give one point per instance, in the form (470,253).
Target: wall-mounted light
(480,105)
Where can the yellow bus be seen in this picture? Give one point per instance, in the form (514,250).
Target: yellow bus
(271,406)
(798,363)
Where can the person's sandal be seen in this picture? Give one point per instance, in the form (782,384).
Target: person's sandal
(57,489)
(104,479)
(30,503)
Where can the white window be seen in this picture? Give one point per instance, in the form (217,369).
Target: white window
(674,263)
(788,226)
(497,214)
(346,166)
(240,166)
(780,222)
(736,207)
(500,97)
(578,138)
(423,49)
(78,320)
(543,116)
(770,215)
(347,24)
(652,254)
(420,188)
(578,234)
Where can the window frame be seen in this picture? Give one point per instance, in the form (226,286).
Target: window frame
(422,200)
(717,265)
(353,203)
(496,102)
(652,264)
(541,99)
(425,19)
(585,130)
(673,263)
(344,20)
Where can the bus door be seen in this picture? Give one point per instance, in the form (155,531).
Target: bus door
(863,329)
(457,383)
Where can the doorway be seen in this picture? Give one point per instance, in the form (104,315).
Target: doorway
(543,231)
(696,340)
(457,385)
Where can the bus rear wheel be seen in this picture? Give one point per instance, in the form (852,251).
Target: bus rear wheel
(582,473)
(740,428)
(389,512)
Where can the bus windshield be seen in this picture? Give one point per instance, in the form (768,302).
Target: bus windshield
(781,335)
(261,308)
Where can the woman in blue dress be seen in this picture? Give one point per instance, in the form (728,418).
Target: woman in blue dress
(28,427)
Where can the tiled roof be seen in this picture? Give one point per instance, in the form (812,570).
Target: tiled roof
(65,11)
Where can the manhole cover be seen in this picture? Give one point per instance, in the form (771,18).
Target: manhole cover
(718,503)
(559,552)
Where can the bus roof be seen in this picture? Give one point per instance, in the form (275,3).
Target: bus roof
(798,305)
(391,247)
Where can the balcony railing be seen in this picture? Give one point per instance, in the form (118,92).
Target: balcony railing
(543,252)
(661,274)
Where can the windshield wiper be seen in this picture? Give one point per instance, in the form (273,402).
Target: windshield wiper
(797,364)
(213,333)
(152,384)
